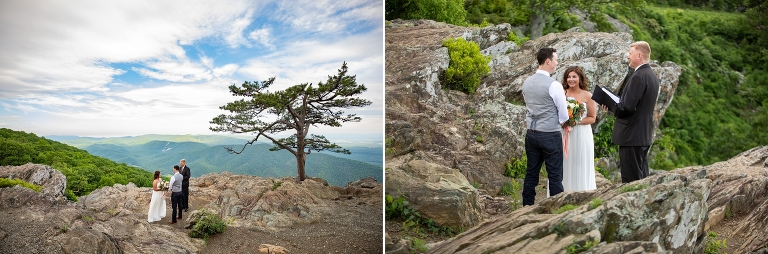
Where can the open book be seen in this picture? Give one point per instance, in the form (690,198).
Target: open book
(603,96)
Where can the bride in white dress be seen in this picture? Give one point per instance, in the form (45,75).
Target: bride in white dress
(579,167)
(157,205)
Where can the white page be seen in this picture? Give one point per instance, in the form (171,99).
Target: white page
(613,96)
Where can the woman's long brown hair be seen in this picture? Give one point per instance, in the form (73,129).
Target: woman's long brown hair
(583,83)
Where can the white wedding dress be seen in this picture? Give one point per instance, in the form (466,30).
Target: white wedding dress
(579,167)
(156,207)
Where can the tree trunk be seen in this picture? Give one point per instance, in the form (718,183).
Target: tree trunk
(537,24)
(301,158)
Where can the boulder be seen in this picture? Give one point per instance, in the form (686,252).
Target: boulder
(740,188)
(666,212)
(436,192)
(478,133)
(54,183)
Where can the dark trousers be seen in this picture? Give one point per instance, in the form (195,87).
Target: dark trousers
(176,203)
(634,162)
(543,148)
(185,199)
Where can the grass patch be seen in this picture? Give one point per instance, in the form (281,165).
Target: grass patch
(276,184)
(595,203)
(418,245)
(577,248)
(564,208)
(632,187)
(8,183)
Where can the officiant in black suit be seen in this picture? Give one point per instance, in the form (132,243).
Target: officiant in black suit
(633,128)
(185,185)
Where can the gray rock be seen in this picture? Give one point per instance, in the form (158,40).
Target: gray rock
(54,183)
(477,134)
(436,192)
(668,214)
(740,188)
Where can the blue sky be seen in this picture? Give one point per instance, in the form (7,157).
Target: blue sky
(126,68)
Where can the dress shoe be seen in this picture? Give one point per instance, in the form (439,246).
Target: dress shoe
(171,222)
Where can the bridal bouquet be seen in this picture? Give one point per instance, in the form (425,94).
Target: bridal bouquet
(575,109)
(163,185)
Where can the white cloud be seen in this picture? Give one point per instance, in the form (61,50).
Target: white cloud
(262,36)
(62,45)
(55,57)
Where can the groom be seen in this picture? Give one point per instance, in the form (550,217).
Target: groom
(545,101)
(633,128)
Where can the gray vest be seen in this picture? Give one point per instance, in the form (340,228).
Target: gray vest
(542,111)
(177,183)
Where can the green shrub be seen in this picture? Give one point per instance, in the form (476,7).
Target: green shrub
(595,203)
(70,195)
(510,188)
(714,246)
(517,40)
(604,146)
(448,11)
(466,67)
(564,208)
(206,225)
(7,183)
(602,171)
(602,22)
(515,168)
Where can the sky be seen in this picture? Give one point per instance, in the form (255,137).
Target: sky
(127,68)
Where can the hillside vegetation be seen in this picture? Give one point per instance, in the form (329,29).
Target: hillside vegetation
(255,160)
(84,171)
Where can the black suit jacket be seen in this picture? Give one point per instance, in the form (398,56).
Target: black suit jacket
(186,174)
(634,113)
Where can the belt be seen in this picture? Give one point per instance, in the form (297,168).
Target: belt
(535,131)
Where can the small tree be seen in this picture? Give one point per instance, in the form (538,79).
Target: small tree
(293,109)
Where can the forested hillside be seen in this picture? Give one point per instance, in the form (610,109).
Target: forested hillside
(720,107)
(84,171)
(255,160)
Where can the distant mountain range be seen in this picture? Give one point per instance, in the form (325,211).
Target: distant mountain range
(206,154)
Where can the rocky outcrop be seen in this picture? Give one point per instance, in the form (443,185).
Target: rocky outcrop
(740,190)
(436,192)
(477,134)
(261,202)
(53,182)
(665,212)
(113,219)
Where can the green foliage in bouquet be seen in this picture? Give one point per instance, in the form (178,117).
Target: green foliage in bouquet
(8,183)
(575,109)
(466,67)
(206,225)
